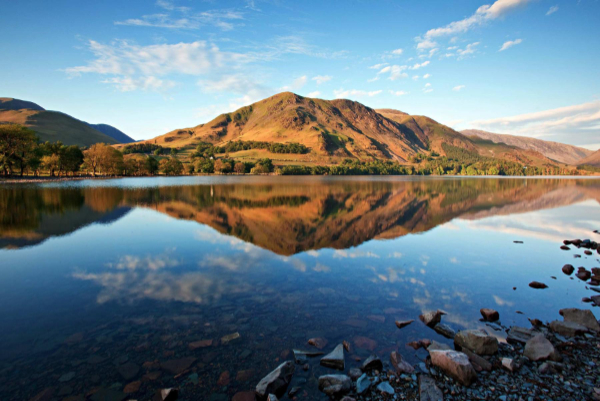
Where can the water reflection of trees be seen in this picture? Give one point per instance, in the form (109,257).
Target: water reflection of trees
(291,216)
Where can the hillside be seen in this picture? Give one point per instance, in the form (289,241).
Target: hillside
(52,125)
(113,132)
(592,160)
(560,152)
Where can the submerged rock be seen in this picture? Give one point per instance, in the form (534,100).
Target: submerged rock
(489,315)
(539,348)
(318,342)
(177,366)
(277,381)
(403,323)
(537,285)
(432,318)
(583,317)
(399,364)
(455,364)
(477,341)
(335,359)
(568,269)
(428,390)
(335,384)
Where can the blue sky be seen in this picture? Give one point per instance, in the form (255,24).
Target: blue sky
(525,67)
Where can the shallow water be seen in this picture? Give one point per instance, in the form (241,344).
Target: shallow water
(99,278)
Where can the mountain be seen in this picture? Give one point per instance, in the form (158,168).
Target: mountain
(337,129)
(113,132)
(53,125)
(560,152)
(592,160)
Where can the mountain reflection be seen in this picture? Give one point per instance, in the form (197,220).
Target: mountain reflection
(287,218)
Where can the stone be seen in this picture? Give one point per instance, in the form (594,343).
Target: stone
(435,346)
(372,363)
(335,384)
(168,394)
(583,274)
(200,344)
(568,329)
(538,348)
(365,343)
(518,334)
(455,364)
(66,377)
(277,381)
(399,364)
(272,397)
(385,388)
(489,315)
(477,341)
(444,330)
(478,361)
(44,395)
(568,269)
(335,359)
(301,356)
(432,318)
(128,370)
(132,387)
(355,373)
(428,390)
(509,364)
(230,337)
(537,285)
(363,383)
(403,323)
(583,317)
(348,398)
(318,342)
(224,379)
(595,299)
(244,396)
(177,366)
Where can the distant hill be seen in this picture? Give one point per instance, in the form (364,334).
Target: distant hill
(112,132)
(591,160)
(53,125)
(561,152)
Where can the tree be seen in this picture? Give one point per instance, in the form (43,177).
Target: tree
(223,166)
(103,158)
(71,158)
(15,142)
(171,166)
(239,168)
(51,163)
(205,165)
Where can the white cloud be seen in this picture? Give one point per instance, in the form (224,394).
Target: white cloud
(576,124)
(373,79)
(128,84)
(552,10)
(426,76)
(469,49)
(417,65)
(296,85)
(399,93)
(510,43)
(397,52)
(321,79)
(482,15)
(415,77)
(314,94)
(249,90)
(342,93)
(378,66)
(395,71)
(457,88)
(185,19)
(427,85)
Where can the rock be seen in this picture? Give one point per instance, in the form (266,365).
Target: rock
(455,364)
(230,337)
(365,343)
(477,341)
(583,317)
(132,387)
(399,364)
(363,383)
(109,394)
(168,394)
(444,330)
(200,344)
(335,359)
(539,348)
(347,398)
(335,384)
(537,285)
(355,373)
(385,388)
(564,248)
(244,375)
(128,370)
(596,299)
(478,361)
(428,391)
(519,335)
(510,364)
(224,379)
(432,318)
(435,346)
(403,323)
(44,395)
(489,315)
(318,342)
(277,381)
(301,356)
(346,345)
(372,363)
(583,274)
(177,366)
(568,329)
(66,377)
(272,397)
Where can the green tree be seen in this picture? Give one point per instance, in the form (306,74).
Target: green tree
(16,142)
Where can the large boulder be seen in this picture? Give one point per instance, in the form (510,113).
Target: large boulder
(444,330)
(477,341)
(335,359)
(489,315)
(538,348)
(455,364)
(399,364)
(568,329)
(432,318)
(520,335)
(583,317)
(428,391)
(277,381)
(335,384)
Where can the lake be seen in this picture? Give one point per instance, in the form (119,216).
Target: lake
(208,283)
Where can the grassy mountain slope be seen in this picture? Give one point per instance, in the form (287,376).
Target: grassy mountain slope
(113,132)
(592,160)
(51,125)
(561,152)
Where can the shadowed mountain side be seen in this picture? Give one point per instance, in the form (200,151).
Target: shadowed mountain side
(592,160)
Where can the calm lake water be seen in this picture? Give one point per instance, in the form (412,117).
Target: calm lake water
(105,283)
